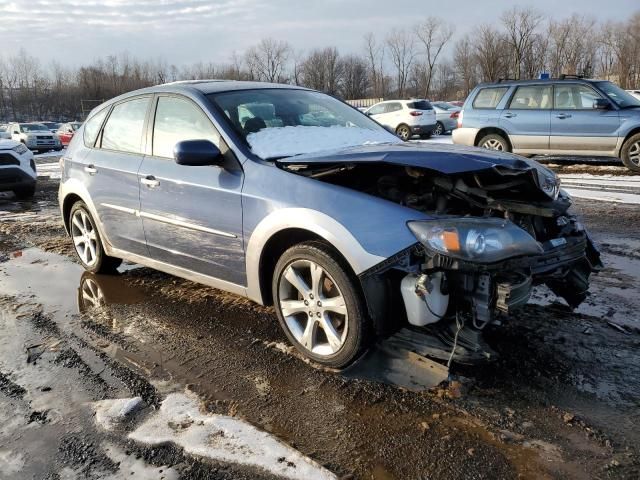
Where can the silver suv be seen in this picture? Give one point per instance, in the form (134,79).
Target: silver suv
(567,116)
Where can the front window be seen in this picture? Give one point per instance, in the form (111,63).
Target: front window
(32,127)
(280,123)
(617,95)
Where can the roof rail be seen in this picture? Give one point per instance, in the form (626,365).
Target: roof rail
(500,80)
(569,75)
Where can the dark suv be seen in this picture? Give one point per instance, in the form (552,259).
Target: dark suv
(559,116)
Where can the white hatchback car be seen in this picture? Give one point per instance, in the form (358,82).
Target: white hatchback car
(17,169)
(406,117)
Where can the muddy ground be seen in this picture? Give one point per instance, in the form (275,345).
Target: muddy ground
(562,401)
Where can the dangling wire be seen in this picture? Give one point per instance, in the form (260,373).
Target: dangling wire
(459,325)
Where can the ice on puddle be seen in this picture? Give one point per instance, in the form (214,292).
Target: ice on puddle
(224,438)
(109,413)
(289,141)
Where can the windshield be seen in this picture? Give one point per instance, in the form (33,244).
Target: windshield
(619,96)
(280,123)
(33,127)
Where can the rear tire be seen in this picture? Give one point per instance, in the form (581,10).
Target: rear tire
(494,142)
(439,130)
(404,132)
(319,305)
(25,193)
(87,242)
(630,153)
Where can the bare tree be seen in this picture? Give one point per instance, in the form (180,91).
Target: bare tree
(489,50)
(322,70)
(267,61)
(402,49)
(433,33)
(355,81)
(465,64)
(374,52)
(572,45)
(521,25)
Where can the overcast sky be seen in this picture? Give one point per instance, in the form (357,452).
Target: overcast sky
(186,31)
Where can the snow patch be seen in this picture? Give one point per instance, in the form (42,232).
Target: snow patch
(110,413)
(225,439)
(289,141)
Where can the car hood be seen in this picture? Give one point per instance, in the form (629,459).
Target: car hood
(8,144)
(447,159)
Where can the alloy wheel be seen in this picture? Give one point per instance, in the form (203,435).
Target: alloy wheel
(439,130)
(313,307)
(634,154)
(493,144)
(403,133)
(92,295)
(84,237)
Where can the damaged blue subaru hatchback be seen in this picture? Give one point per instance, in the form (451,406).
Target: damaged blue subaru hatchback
(290,197)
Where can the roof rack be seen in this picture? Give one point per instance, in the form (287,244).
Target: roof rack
(500,80)
(568,75)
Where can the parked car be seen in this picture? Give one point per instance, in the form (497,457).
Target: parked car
(17,169)
(635,93)
(4,132)
(52,126)
(405,117)
(349,231)
(35,136)
(66,130)
(564,116)
(446,117)
(456,103)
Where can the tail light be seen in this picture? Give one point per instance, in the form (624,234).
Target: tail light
(455,115)
(415,113)
(460,115)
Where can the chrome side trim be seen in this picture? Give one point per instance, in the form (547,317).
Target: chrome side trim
(131,211)
(170,221)
(180,223)
(180,272)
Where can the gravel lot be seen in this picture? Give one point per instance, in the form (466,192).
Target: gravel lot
(562,401)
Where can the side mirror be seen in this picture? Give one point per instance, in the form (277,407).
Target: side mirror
(602,104)
(197,153)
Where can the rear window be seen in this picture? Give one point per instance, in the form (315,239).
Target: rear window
(489,97)
(420,105)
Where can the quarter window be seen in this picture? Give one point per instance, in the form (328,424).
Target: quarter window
(123,130)
(393,107)
(377,109)
(574,97)
(534,97)
(176,120)
(91,129)
(489,97)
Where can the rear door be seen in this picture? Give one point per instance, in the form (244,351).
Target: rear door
(192,215)
(527,117)
(577,126)
(110,171)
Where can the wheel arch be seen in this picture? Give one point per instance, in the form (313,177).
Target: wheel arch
(629,134)
(492,130)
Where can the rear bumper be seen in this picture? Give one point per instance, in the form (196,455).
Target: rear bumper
(422,129)
(465,136)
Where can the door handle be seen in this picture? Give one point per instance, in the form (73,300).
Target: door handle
(563,115)
(150,181)
(91,170)
(510,115)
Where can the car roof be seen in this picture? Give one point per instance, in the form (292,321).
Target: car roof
(537,81)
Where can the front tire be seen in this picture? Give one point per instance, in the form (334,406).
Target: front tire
(494,142)
(630,153)
(319,305)
(25,193)
(87,242)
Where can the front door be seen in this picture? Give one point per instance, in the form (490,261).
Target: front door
(192,216)
(577,126)
(110,172)
(527,117)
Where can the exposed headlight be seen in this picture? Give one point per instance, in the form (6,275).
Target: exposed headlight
(549,183)
(20,149)
(483,240)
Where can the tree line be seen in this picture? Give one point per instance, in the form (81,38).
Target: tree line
(427,60)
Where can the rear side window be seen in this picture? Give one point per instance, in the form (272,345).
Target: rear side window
(393,107)
(377,109)
(420,105)
(176,120)
(91,129)
(531,97)
(489,97)
(123,130)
